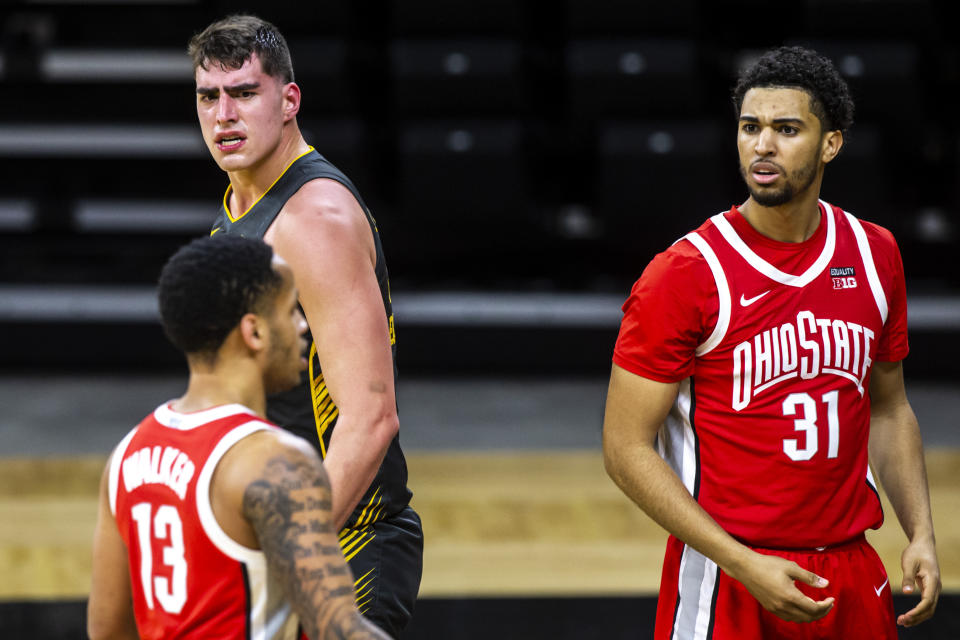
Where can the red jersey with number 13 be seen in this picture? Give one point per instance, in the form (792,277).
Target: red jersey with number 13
(189,579)
(773,344)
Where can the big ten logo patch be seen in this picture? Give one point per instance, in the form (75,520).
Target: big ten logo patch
(843,277)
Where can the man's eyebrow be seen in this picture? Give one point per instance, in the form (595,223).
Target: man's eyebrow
(246,86)
(787,120)
(234,88)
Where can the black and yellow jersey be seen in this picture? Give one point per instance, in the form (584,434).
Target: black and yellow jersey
(308,410)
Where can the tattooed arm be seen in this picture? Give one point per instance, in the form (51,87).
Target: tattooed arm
(270,491)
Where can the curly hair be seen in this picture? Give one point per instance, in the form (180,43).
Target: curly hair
(207,286)
(231,41)
(807,70)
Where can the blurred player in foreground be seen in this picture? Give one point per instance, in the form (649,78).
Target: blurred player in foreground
(213,522)
(757,373)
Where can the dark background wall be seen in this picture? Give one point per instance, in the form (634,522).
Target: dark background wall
(502,145)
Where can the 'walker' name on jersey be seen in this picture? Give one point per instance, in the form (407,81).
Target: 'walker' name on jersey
(158,465)
(804,348)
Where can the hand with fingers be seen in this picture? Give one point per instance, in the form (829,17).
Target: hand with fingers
(770,579)
(920,571)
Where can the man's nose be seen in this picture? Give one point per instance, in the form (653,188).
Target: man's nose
(766,142)
(226,109)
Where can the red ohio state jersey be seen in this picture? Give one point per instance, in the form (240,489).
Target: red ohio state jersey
(188,578)
(773,345)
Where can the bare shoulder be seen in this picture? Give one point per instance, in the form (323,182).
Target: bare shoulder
(267,457)
(249,457)
(324,203)
(323,213)
(268,462)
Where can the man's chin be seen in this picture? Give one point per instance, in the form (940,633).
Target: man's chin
(771,197)
(230,162)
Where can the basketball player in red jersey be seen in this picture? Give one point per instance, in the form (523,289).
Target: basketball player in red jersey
(212,521)
(756,380)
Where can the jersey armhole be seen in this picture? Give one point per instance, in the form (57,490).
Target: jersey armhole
(723,293)
(116,460)
(208,520)
(866,256)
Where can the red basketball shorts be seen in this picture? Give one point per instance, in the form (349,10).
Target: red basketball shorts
(698,601)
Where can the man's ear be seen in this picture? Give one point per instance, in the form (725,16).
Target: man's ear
(253,331)
(831,145)
(291,101)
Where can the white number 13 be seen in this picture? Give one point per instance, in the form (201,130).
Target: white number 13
(807,423)
(172,593)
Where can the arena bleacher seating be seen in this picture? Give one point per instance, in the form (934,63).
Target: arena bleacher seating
(503,145)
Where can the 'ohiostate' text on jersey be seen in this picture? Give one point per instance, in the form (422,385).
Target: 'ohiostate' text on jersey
(188,578)
(770,432)
(806,347)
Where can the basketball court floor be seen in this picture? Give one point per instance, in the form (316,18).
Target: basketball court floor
(506,473)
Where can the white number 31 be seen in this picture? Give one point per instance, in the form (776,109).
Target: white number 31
(807,423)
(172,592)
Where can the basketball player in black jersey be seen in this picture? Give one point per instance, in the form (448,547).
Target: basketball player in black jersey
(283,191)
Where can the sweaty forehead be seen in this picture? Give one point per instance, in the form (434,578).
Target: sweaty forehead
(218,71)
(777,102)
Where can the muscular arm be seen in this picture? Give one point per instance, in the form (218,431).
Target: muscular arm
(896,453)
(286,501)
(636,407)
(110,608)
(325,237)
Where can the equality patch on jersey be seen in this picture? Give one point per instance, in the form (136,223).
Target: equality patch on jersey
(843,277)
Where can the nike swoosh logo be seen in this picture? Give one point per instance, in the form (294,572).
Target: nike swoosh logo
(746,302)
(881,587)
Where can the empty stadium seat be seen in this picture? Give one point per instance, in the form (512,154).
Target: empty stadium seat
(467,76)
(324,74)
(656,180)
(463,181)
(860,179)
(884,77)
(633,77)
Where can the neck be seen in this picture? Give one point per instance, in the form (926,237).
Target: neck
(222,383)
(794,221)
(248,185)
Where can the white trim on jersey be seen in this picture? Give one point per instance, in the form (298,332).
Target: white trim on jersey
(696,584)
(167,417)
(723,292)
(230,547)
(676,441)
(868,264)
(113,480)
(767,269)
(269,611)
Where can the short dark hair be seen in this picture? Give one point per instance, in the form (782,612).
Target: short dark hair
(231,41)
(807,70)
(207,286)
